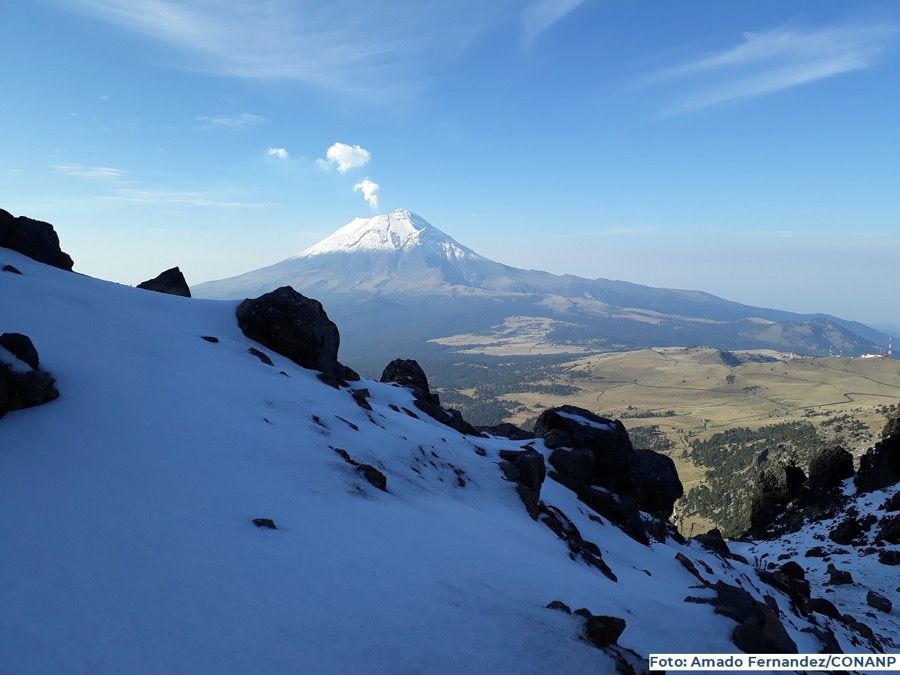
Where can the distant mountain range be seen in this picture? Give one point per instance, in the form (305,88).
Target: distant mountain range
(397,278)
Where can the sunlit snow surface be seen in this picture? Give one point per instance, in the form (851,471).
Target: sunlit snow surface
(126,507)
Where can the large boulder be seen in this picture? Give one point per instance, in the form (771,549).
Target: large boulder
(407,373)
(171,281)
(34,238)
(580,428)
(22,383)
(829,467)
(294,326)
(589,450)
(879,467)
(773,490)
(654,481)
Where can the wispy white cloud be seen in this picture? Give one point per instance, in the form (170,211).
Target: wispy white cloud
(150,196)
(540,15)
(767,62)
(241,121)
(369,190)
(89,171)
(343,45)
(345,157)
(280,153)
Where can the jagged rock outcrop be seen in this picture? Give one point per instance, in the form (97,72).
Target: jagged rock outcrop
(22,383)
(171,282)
(527,469)
(589,450)
(34,238)
(829,467)
(879,467)
(408,373)
(773,490)
(297,327)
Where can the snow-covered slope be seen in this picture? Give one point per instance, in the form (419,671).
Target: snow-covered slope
(126,508)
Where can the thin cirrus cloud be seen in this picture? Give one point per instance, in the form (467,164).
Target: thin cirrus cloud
(241,121)
(279,153)
(89,171)
(369,190)
(770,61)
(341,45)
(182,198)
(540,15)
(345,157)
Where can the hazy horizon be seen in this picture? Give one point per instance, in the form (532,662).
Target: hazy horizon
(748,152)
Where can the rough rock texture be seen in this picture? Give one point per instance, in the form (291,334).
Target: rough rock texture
(838,577)
(294,326)
(171,281)
(11,269)
(829,467)
(760,631)
(773,490)
(879,467)
(527,468)
(879,602)
(594,451)
(408,373)
(601,630)
(22,383)
(34,238)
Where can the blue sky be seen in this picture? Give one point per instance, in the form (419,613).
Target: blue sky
(750,149)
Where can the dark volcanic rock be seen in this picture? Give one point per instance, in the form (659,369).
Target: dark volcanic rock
(760,631)
(890,530)
(374,476)
(892,504)
(846,531)
(527,468)
(34,238)
(265,523)
(589,450)
(889,557)
(210,338)
(829,467)
(294,326)
(507,430)
(879,467)
(171,282)
(600,630)
(11,269)
(773,490)
(262,356)
(713,541)
(879,602)
(22,383)
(838,577)
(607,438)
(654,482)
(21,347)
(408,373)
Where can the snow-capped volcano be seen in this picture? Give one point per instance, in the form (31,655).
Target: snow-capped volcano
(397,231)
(397,252)
(409,268)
